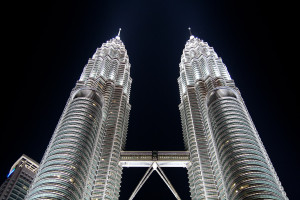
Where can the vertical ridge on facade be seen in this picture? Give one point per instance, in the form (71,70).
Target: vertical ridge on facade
(224,156)
(228,159)
(81,160)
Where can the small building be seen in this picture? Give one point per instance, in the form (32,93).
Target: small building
(19,179)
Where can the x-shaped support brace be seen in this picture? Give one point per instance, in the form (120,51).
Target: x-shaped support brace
(154,167)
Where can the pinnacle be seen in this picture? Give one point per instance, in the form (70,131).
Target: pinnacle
(118,36)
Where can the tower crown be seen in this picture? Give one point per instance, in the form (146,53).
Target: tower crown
(109,62)
(198,62)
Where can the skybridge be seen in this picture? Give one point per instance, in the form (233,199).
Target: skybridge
(154,161)
(162,158)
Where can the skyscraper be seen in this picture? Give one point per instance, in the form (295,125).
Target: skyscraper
(228,159)
(81,161)
(224,155)
(19,179)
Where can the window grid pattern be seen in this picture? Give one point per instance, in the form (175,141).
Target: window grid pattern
(91,132)
(211,173)
(64,172)
(246,170)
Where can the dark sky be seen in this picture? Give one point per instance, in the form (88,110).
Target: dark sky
(47,43)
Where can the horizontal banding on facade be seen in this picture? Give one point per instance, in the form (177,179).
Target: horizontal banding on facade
(64,172)
(91,94)
(219,92)
(245,168)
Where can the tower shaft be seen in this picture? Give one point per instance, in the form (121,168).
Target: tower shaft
(228,159)
(81,161)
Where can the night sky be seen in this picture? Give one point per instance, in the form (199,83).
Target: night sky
(46,44)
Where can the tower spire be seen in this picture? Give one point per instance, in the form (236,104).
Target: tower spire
(118,36)
(191,35)
(190,31)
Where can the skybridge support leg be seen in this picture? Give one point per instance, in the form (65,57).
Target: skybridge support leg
(141,183)
(155,167)
(167,182)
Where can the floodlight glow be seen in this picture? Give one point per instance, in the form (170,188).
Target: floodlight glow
(11,172)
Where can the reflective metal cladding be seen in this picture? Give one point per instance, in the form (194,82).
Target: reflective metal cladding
(81,161)
(228,159)
(224,155)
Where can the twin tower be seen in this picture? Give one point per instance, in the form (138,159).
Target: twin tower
(224,156)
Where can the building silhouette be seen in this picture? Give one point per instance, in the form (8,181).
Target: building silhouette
(82,159)
(224,156)
(228,159)
(19,179)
